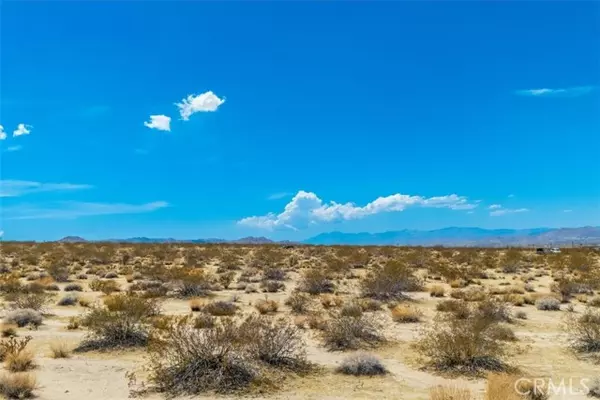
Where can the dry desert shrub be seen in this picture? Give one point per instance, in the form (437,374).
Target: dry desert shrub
(13,346)
(205,321)
(463,345)
(60,349)
(437,291)
(68,300)
(33,301)
(405,314)
(584,331)
(300,303)
(122,322)
(450,393)
(8,330)
(73,287)
(272,286)
(352,333)
(192,283)
(316,281)
(459,308)
(494,310)
(548,304)
(24,317)
(362,364)
(230,357)
(370,305)
(220,308)
(20,361)
(106,287)
(266,306)
(18,386)
(390,282)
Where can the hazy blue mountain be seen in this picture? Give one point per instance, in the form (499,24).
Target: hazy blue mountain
(455,236)
(452,236)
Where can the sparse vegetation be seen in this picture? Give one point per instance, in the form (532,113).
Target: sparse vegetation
(341,298)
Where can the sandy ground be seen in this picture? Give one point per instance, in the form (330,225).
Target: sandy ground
(541,352)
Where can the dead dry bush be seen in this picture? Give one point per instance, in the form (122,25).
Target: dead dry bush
(390,282)
(33,301)
(584,330)
(18,386)
(352,333)
(229,357)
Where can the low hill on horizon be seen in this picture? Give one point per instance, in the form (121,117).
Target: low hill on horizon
(451,236)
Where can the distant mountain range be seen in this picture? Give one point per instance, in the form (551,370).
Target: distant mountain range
(452,236)
(465,237)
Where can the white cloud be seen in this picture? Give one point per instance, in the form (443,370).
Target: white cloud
(22,129)
(13,148)
(14,188)
(1,234)
(72,210)
(205,102)
(564,92)
(307,208)
(160,122)
(567,211)
(2,133)
(505,211)
(494,206)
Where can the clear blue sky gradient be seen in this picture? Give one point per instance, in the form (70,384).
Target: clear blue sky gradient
(350,101)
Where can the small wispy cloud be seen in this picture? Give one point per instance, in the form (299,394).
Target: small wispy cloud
(2,133)
(15,188)
(279,195)
(562,92)
(73,210)
(505,211)
(494,206)
(567,211)
(160,122)
(510,196)
(205,102)
(22,129)
(13,149)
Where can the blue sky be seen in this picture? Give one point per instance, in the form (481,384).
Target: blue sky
(296,118)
